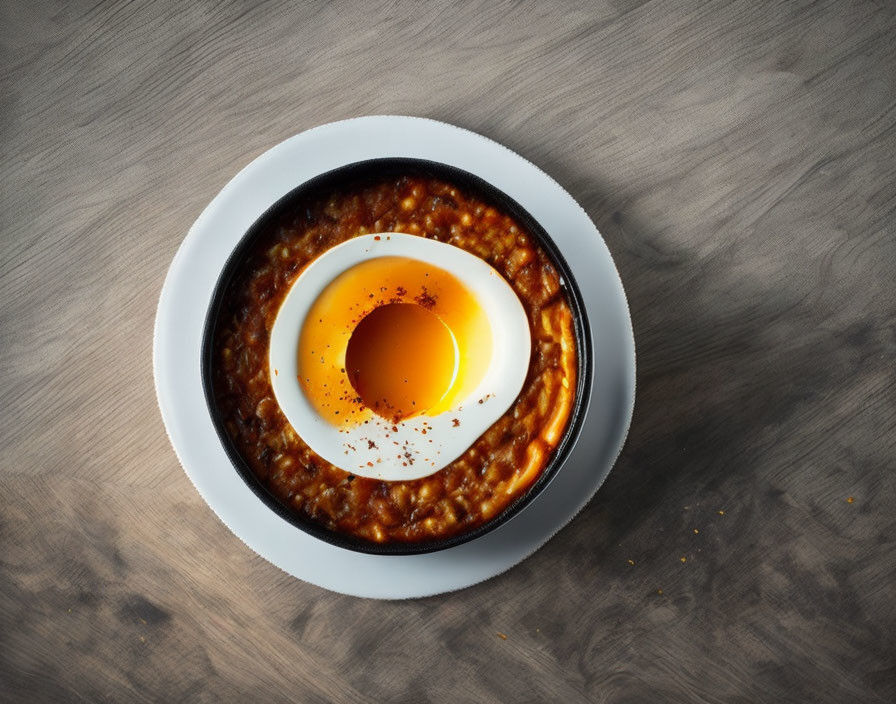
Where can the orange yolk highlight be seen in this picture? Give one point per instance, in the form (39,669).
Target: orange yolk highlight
(392,337)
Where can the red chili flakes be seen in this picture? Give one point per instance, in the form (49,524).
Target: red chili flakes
(425,299)
(455,423)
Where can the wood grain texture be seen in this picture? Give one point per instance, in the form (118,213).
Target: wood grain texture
(739,159)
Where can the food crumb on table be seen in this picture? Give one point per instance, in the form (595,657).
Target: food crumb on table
(502,636)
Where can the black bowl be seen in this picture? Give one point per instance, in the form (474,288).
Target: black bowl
(378,168)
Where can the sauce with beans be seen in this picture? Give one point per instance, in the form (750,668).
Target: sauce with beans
(501,464)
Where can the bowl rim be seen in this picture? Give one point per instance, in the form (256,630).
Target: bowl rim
(380,167)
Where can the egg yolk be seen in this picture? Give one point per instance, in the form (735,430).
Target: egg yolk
(390,381)
(392,337)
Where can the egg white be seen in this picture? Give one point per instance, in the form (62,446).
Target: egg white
(402,451)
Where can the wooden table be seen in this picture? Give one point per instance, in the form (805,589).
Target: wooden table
(740,160)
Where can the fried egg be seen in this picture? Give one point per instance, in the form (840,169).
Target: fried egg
(391,354)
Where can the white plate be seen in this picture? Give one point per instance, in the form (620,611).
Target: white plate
(187,293)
